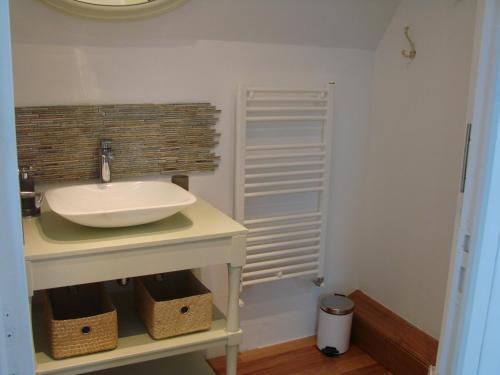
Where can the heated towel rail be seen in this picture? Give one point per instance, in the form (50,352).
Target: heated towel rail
(283,154)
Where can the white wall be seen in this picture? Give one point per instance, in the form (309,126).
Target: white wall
(326,23)
(414,159)
(197,70)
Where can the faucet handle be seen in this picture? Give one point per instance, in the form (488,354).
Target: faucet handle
(106,144)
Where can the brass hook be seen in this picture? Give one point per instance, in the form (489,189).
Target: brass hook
(412,52)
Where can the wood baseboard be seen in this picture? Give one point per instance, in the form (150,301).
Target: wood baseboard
(396,344)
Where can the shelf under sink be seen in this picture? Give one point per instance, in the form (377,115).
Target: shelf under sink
(134,343)
(185,364)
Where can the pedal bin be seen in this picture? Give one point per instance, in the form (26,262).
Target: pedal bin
(334,324)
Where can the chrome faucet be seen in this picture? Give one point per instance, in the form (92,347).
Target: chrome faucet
(106,155)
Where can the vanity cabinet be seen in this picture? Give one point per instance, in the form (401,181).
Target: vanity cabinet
(59,253)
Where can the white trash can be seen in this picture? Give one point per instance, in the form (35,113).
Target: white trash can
(334,324)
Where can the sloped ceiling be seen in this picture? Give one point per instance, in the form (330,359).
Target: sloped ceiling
(328,23)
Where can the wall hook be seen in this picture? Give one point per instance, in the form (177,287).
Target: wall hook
(412,52)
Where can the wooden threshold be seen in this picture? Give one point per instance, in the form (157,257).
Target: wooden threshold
(300,357)
(396,344)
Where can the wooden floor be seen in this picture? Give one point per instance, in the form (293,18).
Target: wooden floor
(301,358)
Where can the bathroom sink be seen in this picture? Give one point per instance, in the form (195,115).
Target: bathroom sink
(118,204)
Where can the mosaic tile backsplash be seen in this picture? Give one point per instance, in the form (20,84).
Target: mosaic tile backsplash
(62,142)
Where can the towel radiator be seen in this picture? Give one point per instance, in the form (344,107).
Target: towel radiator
(282,173)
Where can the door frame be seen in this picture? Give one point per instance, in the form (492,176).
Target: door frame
(473,267)
(16,344)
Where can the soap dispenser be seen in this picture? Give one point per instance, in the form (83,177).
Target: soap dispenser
(30,200)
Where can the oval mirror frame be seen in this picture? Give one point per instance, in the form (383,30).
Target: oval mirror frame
(117,12)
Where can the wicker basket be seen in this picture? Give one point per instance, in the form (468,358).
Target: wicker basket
(173,304)
(80,320)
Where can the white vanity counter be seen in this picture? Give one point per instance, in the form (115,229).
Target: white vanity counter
(50,235)
(59,253)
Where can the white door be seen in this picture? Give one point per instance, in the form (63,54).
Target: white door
(471,326)
(16,348)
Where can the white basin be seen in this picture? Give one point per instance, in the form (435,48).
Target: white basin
(119,204)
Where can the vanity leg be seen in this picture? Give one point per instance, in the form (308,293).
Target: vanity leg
(30,301)
(233,317)
(233,305)
(232,360)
